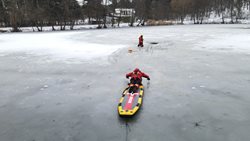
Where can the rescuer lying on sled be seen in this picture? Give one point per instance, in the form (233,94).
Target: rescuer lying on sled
(136,79)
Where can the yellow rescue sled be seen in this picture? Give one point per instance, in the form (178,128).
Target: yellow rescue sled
(130,101)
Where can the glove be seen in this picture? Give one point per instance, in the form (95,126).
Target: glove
(148,78)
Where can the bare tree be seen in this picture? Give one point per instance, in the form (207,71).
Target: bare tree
(65,13)
(142,10)
(113,6)
(180,9)
(13,10)
(2,13)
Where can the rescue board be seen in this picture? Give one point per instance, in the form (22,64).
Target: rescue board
(130,102)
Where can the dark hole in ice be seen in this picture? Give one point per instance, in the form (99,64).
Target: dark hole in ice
(154,43)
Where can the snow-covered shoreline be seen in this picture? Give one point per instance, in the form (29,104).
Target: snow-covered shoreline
(57,28)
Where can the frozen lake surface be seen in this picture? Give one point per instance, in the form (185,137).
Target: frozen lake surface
(65,86)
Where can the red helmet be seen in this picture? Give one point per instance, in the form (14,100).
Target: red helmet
(136,70)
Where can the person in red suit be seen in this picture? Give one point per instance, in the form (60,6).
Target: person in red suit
(136,77)
(140,41)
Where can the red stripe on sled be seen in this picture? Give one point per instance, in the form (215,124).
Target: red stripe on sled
(130,101)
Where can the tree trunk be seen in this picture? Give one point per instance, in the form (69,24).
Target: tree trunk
(53,28)
(223,20)
(72,25)
(14,22)
(64,25)
(33,29)
(99,23)
(231,14)
(13,16)
(182,19)
(89,22)
(143,22)
(132,18)
(105,14)
(3,4)
(112,21)
(119,19)
(61,26)
(38,28)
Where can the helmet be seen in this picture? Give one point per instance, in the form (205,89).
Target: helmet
(136,70)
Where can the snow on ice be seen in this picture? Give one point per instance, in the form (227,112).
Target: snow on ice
(90,44)
(60,45)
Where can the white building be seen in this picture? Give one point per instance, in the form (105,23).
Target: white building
(124,12)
